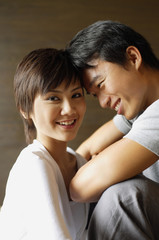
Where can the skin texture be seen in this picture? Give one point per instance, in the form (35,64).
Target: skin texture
(127,89)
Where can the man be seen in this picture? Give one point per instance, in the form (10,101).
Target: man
(119,67)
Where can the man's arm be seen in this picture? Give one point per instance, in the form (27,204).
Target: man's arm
(99,140)
(118,162)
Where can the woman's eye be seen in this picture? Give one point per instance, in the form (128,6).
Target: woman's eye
(53,98)
(77,95)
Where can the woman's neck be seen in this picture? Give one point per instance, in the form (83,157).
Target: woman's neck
(57,149)
(66,161)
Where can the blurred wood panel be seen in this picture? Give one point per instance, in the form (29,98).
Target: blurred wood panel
(26,25)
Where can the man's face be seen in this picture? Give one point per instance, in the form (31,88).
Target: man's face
(117,87)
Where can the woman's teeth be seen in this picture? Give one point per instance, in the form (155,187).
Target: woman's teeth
(67,123)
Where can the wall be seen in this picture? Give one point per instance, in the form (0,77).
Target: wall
(26,25)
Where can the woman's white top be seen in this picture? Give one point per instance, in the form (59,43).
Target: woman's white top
(36,205)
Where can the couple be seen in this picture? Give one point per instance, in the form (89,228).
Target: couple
(50,186)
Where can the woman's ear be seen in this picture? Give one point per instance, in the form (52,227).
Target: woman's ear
(24,114)
(134,56)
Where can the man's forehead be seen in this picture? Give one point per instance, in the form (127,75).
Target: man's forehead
(93,62)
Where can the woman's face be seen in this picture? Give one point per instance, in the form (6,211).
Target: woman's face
(121,89)
(59,113)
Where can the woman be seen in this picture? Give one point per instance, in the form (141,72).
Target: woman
(50,99)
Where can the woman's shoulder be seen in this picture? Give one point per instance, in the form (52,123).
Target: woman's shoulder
(34,156)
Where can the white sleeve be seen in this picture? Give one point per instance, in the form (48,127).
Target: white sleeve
(39,193)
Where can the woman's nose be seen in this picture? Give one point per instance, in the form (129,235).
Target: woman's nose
(67,108)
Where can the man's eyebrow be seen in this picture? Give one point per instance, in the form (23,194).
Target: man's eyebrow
(94,79)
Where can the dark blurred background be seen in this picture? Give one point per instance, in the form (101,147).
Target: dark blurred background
(31,24)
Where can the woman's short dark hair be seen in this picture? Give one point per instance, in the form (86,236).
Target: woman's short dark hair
(37,73)
(109,40)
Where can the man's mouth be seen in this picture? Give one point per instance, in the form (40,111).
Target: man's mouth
(117,105)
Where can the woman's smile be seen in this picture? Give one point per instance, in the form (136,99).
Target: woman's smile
(62,112)
(67,124)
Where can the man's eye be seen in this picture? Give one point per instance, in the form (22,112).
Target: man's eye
(100,84)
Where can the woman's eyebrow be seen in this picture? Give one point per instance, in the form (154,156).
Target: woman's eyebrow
(61,91)
(54,90)
(74,89)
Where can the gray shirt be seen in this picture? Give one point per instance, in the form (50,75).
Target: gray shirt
(144,129)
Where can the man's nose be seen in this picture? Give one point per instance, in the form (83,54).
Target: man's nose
(103,100)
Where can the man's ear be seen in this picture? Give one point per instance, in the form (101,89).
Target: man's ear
(134,56)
